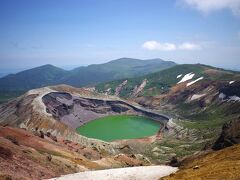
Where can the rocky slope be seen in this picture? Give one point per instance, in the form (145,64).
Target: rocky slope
(36,155)
(229,136)
(199,93)
(29,112)
(223,164)
(218,161)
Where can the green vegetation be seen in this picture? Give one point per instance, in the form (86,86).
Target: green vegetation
(181,147)
(8,95)
(82,76)
(33,78)
(158,82)
(119,127)
(161,81)
(163,151)
(212,117)
(116,69)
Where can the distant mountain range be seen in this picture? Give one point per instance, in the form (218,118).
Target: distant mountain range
(3,74)
(82,76)
(161,82)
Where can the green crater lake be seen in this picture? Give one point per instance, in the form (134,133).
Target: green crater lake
(117,127)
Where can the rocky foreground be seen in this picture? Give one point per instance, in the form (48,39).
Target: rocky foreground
(37,141)
(35,155)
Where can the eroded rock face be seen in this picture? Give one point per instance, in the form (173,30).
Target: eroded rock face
(230,135)
(120,87)
(75,111)
(138,89)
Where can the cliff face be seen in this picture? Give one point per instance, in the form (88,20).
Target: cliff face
(75,111)
(230,135)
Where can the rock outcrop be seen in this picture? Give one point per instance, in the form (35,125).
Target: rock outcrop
(229,136)
(138,89)
(120,87)
(24,155)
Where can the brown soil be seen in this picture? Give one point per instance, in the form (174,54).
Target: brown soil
(27,156)
(222,164)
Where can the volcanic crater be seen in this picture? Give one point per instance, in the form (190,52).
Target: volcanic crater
(75,111)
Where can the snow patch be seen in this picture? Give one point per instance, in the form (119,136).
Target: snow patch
(224,97)
(189,84)
(196,96)
(107,91)
(92,89)
(187,77)
(180,75)
(234,98)
(130,173)
(231,82)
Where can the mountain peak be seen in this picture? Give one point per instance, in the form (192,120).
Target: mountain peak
(47,66)
(50,75)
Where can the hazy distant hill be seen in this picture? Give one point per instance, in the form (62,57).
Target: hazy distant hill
(3,74)
(82,76)
(116,69)
(32,78)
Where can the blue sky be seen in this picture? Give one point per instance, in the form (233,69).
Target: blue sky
(81,32)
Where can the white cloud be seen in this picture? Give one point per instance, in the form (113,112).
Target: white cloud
(207,6)
(155,45)
(189,46)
